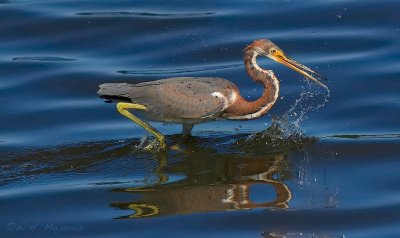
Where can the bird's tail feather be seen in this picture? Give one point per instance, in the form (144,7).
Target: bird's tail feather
(118,91)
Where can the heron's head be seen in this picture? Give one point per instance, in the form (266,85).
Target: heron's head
(267,48)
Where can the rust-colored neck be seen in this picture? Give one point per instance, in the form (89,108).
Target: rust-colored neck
(243,109)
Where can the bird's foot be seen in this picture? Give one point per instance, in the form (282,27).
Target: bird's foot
(156,145)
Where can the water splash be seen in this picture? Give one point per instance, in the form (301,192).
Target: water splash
(314,183)
(147,144)
(309,101)
(285,130)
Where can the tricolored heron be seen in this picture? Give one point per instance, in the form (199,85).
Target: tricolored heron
(193,100)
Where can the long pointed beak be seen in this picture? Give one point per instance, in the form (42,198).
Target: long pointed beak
(280,57)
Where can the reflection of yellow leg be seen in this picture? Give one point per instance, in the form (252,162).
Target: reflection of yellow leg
(143,210)
(123,109)
(162,164)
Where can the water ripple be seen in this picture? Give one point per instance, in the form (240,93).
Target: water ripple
(371,136)
(179,70)
(146,14)
(43,58)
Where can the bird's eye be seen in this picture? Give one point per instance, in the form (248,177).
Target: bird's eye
(273,51)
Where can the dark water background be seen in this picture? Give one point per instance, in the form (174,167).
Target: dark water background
(70,165)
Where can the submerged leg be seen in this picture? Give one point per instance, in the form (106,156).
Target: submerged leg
(123,109)
(186,130)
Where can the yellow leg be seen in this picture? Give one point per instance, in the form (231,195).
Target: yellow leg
(123,109)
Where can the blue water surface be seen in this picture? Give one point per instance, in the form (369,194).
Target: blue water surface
(69,163)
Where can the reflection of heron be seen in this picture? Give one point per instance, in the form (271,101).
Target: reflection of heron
(190,101)
(229,186)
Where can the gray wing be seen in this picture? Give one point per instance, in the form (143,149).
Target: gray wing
(179,98)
